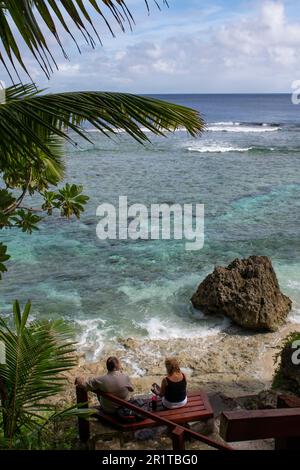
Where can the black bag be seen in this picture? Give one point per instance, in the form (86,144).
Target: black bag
(129,416)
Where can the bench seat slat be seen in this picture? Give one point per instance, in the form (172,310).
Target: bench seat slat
(147,423)
(195,397)
(197,408)
(185,410)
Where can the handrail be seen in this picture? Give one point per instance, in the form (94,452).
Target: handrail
(181,431)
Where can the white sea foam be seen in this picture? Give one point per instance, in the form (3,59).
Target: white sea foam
(163,290)
(137,371)
(163,330)
(224,123)
(294,316)
(294,285)
(212,127)
(236,127)
(97,131)
(217,149)
(143,129)
(92,337)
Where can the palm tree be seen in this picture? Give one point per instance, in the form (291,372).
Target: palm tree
(37,356)
(31,127)
(28,119)
(107,111)
(31,123)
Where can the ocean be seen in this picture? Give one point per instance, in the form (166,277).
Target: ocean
(245,169)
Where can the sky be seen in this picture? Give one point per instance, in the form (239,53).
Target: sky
(194,46)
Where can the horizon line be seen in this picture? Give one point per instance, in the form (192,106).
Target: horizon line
(218,93)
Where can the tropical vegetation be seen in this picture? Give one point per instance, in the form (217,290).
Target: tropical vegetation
(37,354)
(33,128)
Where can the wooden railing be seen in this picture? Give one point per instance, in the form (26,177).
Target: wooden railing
(281,424)
(178,432)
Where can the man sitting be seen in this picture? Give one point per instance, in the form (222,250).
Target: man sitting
(114,382)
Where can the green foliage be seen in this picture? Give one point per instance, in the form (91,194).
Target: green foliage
(50,202)
(71,200)
(29,121)
(33,126)
(3,257)
(37,355)
(26,221)
(6,199)
(58,434)
(18,18)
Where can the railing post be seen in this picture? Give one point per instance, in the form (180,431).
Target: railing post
(288,443)
(178,438)
(83,424)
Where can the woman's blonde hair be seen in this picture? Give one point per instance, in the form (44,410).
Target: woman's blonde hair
(172,365)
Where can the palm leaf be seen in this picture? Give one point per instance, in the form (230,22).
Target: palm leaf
(37,355)
(23,18)
(28,120)
(3,255)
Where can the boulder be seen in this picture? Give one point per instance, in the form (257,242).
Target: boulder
(247,291)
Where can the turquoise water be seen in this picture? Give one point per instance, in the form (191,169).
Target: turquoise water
(245,169)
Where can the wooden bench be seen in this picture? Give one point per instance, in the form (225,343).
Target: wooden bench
(198,408)
(281,424)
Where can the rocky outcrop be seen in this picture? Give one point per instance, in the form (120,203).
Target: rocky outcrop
(247,291)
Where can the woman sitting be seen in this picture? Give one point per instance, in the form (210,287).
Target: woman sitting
(173,387)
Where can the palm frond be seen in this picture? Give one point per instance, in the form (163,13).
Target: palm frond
(37,355)
(29,119)
(37,20)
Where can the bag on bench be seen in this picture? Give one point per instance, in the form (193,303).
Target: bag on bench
(126,415)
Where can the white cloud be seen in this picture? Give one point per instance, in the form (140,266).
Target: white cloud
(258,51)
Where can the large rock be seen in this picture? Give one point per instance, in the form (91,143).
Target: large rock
(247,291)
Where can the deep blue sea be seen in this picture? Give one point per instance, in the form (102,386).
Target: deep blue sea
(245,169)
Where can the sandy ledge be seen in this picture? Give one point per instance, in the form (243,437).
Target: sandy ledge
(229,366)
(234,362)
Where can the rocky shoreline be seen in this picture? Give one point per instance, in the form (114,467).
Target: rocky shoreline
(238,361)
(234,362)
(233,367)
